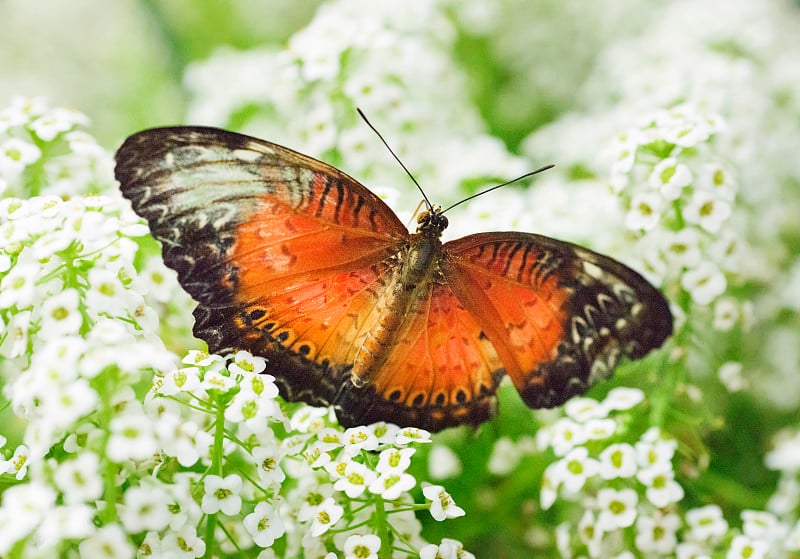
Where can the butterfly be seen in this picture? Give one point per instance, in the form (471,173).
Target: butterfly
(293,260)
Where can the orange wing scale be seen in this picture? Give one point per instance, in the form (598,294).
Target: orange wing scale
(441,371)
(524,324)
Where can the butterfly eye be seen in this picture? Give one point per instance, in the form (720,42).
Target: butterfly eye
(443,222)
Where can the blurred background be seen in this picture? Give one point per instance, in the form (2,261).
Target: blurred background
(475,92)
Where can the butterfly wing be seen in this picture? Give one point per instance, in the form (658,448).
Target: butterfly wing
(440,372)
(559,316)
(286,256)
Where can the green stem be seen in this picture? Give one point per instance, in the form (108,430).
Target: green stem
(109,468)
(216,467)
(382,527)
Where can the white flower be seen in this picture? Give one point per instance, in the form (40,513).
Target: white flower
(222,494)
(565,435)
(785,454)
(622,398)
(730,375)
(392,483)
(394,459)
(762,525)
(656,534)
(669,177)
(338,467)
(548,491)
(18,463)
(691,550)
(682,248)
(386,433)
(654,452)
(575,468)
(268,465)
(726,314)
(60,314)
(30,502)
(329,438)
(131,437)
(584,409)
(217,381)
(357,477)
(743,547)
(146,508)
(408,435)
(316,456)
(15,155)
(448,549)
(707,210)
(704,283)
(617,508)
(317,129)
(505,456)
(186,379)
(251,410)
(183,439)
(245,364)
(590,534)
(17,288)
(359,438)
(108,542)
(264,524)
(106,294)
(716,178)
(79,479)
(617,461)
(442,504)
(662,489)
(327,514)
(202,359)
(56,121)
(69,402)
(310,498)
(599,429)
(645,211)
(362,547)
(63,523)
(443,463)
(308,419)
(183,543)
(706,523)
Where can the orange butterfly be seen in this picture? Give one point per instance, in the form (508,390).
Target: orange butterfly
(293,260)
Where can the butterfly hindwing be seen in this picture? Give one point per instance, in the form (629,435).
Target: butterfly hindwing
(560,316)
(441,371)
(281,251)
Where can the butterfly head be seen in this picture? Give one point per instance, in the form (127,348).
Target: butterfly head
(432,221)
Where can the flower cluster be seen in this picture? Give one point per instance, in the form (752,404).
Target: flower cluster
(44,151)
(305,96)
(680,205)
(616,489)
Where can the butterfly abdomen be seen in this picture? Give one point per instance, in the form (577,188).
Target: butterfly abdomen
(418,267)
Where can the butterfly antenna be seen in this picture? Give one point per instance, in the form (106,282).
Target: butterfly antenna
(481,193)
(362,115)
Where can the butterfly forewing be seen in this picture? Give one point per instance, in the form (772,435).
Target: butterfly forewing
(286,255)
(560,316)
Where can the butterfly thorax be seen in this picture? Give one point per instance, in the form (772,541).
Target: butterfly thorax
(417,271)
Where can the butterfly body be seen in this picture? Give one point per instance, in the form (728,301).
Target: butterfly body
(293,260)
